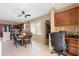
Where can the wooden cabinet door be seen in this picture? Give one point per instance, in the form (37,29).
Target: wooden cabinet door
(78,15)
(74,15)
(59,19)
(67,17)
(71,17)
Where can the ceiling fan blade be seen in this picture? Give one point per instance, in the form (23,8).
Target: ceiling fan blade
(23,13)
(27,14)
(19,15)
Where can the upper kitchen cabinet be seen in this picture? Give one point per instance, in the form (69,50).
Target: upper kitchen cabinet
(74,15)
(60,18)
(67,17)
(71,16)
(78,15)
(19,26)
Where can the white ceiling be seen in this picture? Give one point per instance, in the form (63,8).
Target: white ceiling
(8,11)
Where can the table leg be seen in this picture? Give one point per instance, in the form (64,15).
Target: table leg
(22,42)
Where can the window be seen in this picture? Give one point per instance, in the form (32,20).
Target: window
(24,27)
(36,27)
(33,27)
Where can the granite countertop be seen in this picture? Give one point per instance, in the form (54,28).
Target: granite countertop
(72,36)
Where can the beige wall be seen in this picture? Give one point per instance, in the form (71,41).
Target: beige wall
(52,12)
(27,26)
(41,38)
(7,22)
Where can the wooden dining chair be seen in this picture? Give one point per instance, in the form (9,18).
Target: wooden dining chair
(25,40)
(16,42)
(30,39)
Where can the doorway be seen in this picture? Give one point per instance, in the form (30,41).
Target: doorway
(47,31)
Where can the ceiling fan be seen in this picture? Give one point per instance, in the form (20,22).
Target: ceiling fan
(23,13)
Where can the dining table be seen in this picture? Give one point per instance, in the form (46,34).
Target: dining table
(23,38)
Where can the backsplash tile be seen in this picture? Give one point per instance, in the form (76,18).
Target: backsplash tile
(69,28)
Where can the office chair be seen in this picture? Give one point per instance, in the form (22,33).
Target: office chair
(64,32)
(58,42)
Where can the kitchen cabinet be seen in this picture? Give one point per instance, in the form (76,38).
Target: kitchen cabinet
(73,46)
(67,17)
(59,18)
(19,26)
(78,15)
(71,16)
(75,15)
(1,30)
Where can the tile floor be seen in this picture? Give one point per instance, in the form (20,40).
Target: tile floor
(37,49)
(1,46)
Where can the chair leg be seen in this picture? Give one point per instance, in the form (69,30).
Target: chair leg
(58,53)
(55,51)
(31,43)
(25,43)
(16,43)
(52,52)
(16,46)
